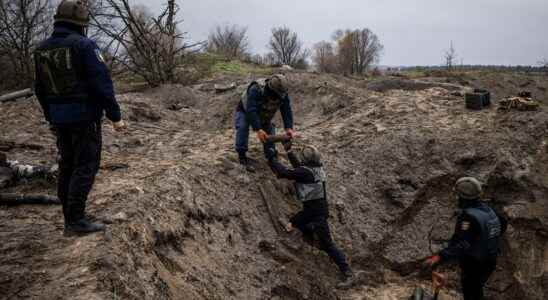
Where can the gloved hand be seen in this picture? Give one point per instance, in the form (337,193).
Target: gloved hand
(438,281)
(290,133)
(431,262)
(261,135)
(119,126)
(287,145)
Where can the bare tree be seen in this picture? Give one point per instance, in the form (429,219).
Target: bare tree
(23,24)
(151,47)
(229,40)
(286,46)
(450,57)
(324,57)
(544,65)
(357,50)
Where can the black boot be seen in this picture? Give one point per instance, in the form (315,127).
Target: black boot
(244,161)
(348,280)
(82,227)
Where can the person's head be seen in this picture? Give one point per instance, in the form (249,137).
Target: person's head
(311,157)
(278,85)
(73,12)
(468,189)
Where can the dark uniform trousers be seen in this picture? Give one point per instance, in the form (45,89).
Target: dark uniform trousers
(315,226)
(474,276)
(80,150)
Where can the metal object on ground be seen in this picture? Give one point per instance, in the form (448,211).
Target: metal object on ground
(16,95)
(477,100)
(279,138)
(15,199)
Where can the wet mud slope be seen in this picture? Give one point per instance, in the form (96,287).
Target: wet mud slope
(186,222)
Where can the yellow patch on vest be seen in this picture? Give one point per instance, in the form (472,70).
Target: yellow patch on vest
(465,226)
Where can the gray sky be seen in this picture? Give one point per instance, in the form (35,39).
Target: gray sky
(413,32)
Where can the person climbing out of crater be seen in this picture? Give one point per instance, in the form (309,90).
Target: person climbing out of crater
(476,240)
(257,107)
(310,178)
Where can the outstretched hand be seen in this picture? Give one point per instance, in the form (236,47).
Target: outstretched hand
(290,133)
(119,126)
(262,136)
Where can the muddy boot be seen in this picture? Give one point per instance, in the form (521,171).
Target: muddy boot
(244,162)
(82,227)
(349,279)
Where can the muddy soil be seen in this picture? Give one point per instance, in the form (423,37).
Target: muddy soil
(186,222)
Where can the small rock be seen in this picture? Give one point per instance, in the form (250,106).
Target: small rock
(120,217)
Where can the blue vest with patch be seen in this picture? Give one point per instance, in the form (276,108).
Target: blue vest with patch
(488,244)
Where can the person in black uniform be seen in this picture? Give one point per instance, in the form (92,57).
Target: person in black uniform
(74,88)
(476,241)
(310,184)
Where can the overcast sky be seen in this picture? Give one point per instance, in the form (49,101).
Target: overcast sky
(413,32)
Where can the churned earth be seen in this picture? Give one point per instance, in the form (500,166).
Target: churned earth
(186,222)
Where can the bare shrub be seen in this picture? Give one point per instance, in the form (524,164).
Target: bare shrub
(150,47)
(324,57)
(229,41)
(287,48)
(23,25)
(357,50)
(450,57)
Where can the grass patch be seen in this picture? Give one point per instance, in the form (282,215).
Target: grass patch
(240,68)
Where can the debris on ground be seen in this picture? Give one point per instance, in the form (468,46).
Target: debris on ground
(522,102)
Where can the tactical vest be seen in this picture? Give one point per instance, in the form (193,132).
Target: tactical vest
(269,106)
(488,244)
(57,71)
(312,191)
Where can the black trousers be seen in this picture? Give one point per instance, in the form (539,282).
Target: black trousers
(314,226)
(80,150)
(474,276)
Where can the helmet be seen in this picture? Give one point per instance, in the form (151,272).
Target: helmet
(73,11)
(278,84)
(468,188)
(311,156)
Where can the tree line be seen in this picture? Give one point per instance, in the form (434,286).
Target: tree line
(155,48)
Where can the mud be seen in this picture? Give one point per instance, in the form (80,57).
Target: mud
(186,222)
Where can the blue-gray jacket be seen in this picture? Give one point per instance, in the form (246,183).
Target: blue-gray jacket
(73,84)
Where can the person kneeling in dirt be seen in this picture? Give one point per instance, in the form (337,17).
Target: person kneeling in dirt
(310,184)
(257,108)
(476,241)
(74,88)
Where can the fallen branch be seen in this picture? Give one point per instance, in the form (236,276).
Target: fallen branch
(16,199)
(8,145)
(16,95)
(271,211)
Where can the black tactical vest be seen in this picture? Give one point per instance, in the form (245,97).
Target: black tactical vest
(58,73)
(312,191)
(488,245)
(269,106)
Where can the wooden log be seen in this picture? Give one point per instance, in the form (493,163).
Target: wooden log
(272,211)
(16,199)
(280,138)
(16,95)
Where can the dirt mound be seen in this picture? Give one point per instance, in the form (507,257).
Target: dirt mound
(186,222)
(385,85)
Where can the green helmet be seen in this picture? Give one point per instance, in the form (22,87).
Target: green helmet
(73,11)
(311,156)
(278,84)
(468,188)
